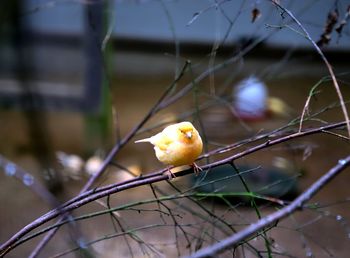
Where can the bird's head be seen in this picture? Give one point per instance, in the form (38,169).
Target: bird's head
(186,130)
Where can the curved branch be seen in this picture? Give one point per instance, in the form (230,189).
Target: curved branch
(325,60)
(267,221)
(107,161)
(158,176)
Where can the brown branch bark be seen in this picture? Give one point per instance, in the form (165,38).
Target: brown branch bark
(92,195)
(297,204)
(117,147)
(329,67)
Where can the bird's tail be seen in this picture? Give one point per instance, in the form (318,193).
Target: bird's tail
(144,140)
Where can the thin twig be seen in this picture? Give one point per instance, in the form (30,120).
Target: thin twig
(13,170)
(97,193)
(113,152)
(329,67)
(297,204)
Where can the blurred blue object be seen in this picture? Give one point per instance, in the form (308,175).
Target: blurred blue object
(250,98)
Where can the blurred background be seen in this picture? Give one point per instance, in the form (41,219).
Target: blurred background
(76,76)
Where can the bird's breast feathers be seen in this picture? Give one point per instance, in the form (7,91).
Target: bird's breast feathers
(174,149)
(178,153)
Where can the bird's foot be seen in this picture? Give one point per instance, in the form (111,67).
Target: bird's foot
(197,169)
(170,174)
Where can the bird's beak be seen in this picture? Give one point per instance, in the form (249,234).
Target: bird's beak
(189,135)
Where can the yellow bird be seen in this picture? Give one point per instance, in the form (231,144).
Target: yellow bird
(178,144)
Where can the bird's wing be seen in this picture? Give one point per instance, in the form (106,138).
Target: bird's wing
(162,141)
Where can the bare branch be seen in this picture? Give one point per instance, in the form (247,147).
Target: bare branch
(92,195)
(107,161)
(297,204)
(329,67)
